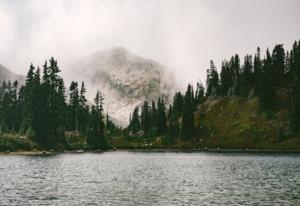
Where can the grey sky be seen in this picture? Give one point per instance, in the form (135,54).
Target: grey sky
(182,34)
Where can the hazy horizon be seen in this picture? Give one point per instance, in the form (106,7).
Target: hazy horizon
(183,35)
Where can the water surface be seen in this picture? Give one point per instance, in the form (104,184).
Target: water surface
(136,178)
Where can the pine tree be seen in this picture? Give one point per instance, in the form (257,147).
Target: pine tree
(145,118)
(99,109)
(6,107)
(246,83)
(173,122)
(226,81)
(56,104)
(153,118)
(74,106)
(294,87)
(177,104)
(278,66)
(212,80)
(257,67)
(187,129)
(61,109)
(96,137)
(38,122)
(135,124)
(267,91)
(83,109)
(16,108)
(236,68)
(161,117)
(28,99)
(200,92)
(44,105)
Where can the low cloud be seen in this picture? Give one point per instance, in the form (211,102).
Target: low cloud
(184,35)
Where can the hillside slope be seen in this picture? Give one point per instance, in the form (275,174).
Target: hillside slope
(235,123)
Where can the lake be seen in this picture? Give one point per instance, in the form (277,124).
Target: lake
(140,178)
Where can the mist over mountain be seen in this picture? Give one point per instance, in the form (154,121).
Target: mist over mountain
(125,79)
(7,75)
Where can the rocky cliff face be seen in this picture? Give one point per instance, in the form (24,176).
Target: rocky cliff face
(126,80)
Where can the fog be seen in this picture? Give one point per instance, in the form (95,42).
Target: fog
(184,35)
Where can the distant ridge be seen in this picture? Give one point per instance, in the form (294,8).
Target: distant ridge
(7,75)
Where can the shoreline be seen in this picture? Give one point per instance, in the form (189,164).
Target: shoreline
(143,150)
(211,151)
(49,152)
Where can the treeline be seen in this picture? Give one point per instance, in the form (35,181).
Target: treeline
(175,121)
(266,78)
(40,111)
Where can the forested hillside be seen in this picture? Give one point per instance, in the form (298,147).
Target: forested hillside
(248,103)
(38,114)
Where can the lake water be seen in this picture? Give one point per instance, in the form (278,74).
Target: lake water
(136,178)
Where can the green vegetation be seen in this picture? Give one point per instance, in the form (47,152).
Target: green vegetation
(225,123)
(251,106)
(13,142)
(38,116)
(255,105)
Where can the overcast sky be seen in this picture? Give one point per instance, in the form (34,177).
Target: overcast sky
(182,34)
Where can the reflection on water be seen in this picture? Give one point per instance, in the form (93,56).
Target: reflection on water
(125,178)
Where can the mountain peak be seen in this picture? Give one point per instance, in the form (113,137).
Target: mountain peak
(117,50)
(115,55)
(125,79)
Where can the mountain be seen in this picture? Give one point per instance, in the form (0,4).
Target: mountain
(125,79)
(6,75)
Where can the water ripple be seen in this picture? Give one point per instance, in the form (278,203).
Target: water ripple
(124,178)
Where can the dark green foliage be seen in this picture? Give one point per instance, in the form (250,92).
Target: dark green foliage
(262,78)
(134,122)
(278,66)
(9,107)
(50,98)
(294,86)
(74,106)
(174,114)
(236,69)
(257,71)
(212,80)
(226,78)
(230,77)
(247,80)
(177,105)
(153,116)
(200,92)
(83,115)
(96,139)
(161,121)
(145,118)
(78,111)
(266,91)
(39,111)
(187,129)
